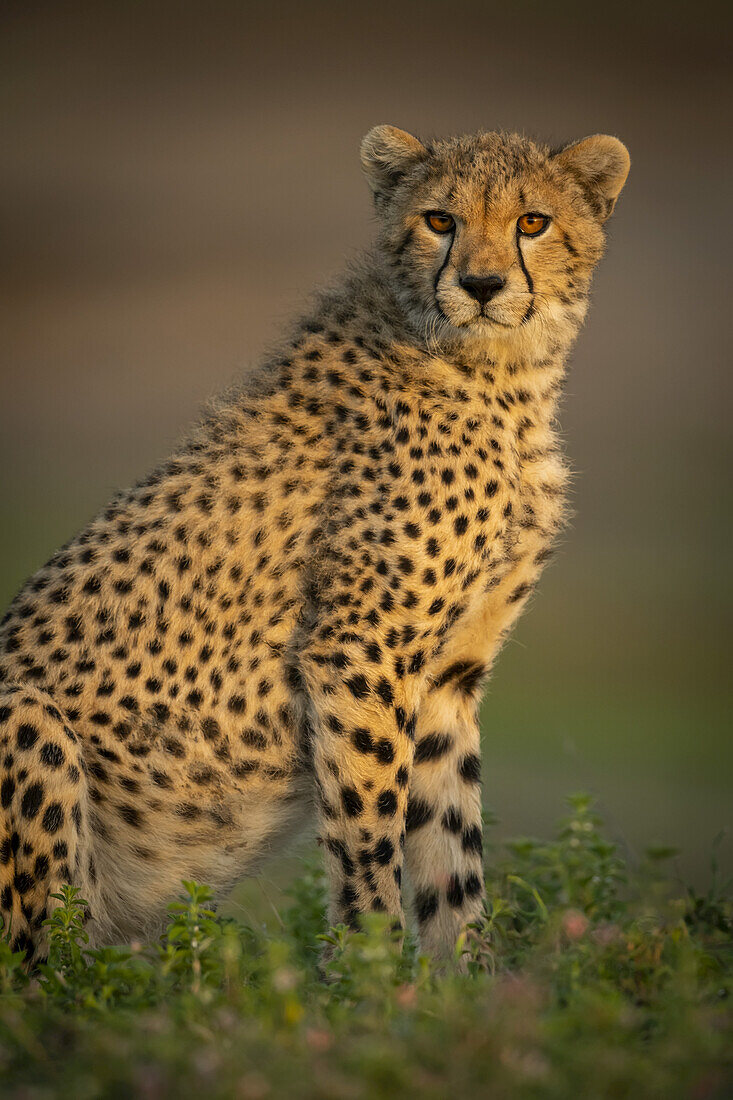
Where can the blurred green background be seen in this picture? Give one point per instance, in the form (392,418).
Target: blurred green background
(175,180)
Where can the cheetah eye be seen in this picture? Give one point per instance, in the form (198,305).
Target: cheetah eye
(531,225)
(439,222)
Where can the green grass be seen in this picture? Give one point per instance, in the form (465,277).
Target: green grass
(588,977)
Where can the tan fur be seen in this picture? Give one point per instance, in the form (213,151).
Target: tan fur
(301,605)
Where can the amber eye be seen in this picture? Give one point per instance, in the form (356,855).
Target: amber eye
(439,222)
(532,224)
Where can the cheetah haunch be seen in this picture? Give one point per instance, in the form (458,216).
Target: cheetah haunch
(299,608)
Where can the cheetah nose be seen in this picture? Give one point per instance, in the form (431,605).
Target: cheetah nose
(482,287)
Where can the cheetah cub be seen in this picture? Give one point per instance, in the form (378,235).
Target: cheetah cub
(298,609)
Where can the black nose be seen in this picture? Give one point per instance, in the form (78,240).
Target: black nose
(482,287)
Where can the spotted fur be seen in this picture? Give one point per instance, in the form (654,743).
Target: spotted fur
(300,606)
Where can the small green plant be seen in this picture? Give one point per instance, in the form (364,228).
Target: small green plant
(96,979)
(191,950)
(66,935)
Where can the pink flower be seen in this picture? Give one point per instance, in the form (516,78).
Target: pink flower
(318,1039)
(574,924)
(406,996)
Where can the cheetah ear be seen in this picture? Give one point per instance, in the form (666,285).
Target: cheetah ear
(601,164)
(386,155)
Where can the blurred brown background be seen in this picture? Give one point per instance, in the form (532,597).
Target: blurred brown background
(176,178)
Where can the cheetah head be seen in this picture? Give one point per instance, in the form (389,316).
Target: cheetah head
(492,237)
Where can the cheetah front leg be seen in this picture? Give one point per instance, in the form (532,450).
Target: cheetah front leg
(363,749)
(444,828)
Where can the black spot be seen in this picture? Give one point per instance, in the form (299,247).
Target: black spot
(53,818)
(519,592)
(348,896)
(472,841)
(32,800)
(472,885)
(23,882)
(387,803)
(426,905)
(358,686)
(337,848)
(253,738)
(26,736)
(40,868)
(454,893)
(352,802)
(52,755)
(189,811)
(7,791)
(98,771)
(245,767)
(210,729)
(470,768)
(467,676)
(362,741)
(384,691)
(384,751)
(418,814)
(383,851)
(130,814)
(452,820)
(416,662)
(432,747)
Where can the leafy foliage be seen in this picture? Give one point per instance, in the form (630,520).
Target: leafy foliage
(585,977)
